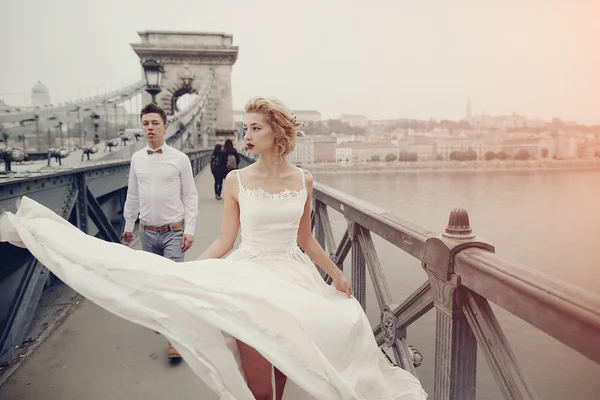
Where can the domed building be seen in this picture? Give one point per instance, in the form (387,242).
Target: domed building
(40,96)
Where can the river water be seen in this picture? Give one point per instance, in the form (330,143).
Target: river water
(546,220)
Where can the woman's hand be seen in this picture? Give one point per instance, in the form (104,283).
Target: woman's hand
(342,285)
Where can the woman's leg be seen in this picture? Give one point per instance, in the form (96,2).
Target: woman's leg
(280,380)
(258,372)
(216,178)
(219,185)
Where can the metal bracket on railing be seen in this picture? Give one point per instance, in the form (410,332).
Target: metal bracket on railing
(389,326)
(351,230)
(394,335)
(455,346)
(438,257)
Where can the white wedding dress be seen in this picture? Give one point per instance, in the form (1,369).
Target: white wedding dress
(267,294)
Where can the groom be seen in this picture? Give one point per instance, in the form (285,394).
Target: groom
(162,192)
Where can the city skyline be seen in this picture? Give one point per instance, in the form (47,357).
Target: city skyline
(470,112)
(416,61)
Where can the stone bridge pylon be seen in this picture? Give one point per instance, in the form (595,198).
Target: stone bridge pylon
(187,58)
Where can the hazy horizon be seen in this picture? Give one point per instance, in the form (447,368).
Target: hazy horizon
(387,59)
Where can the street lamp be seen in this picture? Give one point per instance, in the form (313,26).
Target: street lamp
(153,71)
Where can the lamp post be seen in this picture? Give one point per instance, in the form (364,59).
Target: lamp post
(60,131)
(37,131)
(95,117)
(105,119)
(153,72)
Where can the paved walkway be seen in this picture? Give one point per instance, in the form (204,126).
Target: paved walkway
(94,355)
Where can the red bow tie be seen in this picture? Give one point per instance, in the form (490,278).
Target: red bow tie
(152,152)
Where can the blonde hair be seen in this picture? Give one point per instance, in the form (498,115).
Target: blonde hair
(280,119)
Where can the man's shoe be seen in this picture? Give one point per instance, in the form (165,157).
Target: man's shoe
(172,353)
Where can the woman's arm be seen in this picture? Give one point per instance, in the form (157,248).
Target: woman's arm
(313,249)
(230,224)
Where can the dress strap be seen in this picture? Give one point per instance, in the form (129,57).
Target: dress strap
(303,179)
(237,172)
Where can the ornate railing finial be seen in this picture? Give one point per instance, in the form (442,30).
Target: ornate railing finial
(458,225)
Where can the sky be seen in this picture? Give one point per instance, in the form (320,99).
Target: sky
(380,58)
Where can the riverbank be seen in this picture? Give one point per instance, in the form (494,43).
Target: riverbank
(455,166)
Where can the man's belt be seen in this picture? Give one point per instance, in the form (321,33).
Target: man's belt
(177,226)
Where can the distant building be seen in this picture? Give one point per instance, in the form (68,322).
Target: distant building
(425,149)
(362,152)
(301,115)
(343,155)
(512,147)
(588,149)
(40,95)
(355,120)
(445,147)
(566,146)
(325,151)
(345,138)
(304,153)
(308,115)
(550,144)
(382,123)
(503,122)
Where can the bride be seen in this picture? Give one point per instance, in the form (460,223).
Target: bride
(260,315)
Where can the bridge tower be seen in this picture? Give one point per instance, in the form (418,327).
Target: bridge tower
(187,58)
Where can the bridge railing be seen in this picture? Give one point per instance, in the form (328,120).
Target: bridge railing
(90,196)
(464,274)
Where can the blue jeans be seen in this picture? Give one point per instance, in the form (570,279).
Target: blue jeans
(166,244)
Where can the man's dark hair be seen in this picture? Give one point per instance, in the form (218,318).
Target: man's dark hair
(154,109)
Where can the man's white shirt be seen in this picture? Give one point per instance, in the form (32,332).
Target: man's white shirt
(161,189)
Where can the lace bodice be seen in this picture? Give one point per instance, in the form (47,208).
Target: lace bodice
(269,221)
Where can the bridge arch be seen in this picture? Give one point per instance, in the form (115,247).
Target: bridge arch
(187,59)
(181,94)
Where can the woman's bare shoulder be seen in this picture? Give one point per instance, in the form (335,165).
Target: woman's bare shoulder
(231,180)
(308,178)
